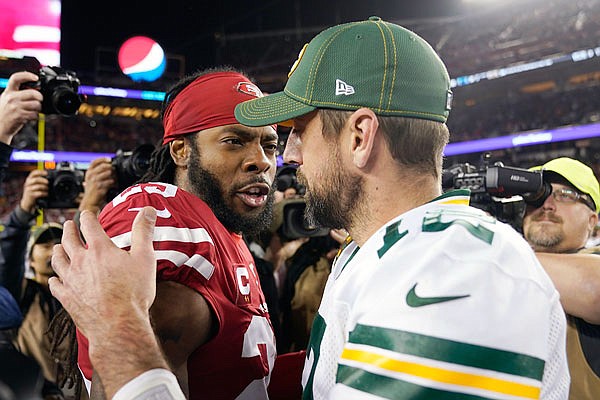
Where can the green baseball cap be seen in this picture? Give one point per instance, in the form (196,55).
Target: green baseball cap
(48,232)
(373,64)
(577,174)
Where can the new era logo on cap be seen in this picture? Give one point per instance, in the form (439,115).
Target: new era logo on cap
(342,87)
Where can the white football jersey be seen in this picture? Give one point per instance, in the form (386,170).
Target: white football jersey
(443,302)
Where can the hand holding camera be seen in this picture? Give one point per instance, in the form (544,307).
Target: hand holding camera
(104,179)
(35,188)
(99,179)
(59,88)
(18,107)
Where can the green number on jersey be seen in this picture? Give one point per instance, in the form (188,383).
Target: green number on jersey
(313,352)
(392,235)
(437,221)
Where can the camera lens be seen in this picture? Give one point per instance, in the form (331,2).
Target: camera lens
(140,160)
(66,187)
(65,101)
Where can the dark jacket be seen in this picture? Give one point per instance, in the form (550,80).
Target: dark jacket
(13,246)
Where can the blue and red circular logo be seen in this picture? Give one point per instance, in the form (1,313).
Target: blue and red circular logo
(142,59)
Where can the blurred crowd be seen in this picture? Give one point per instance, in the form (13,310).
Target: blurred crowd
(479,40)
(523,112)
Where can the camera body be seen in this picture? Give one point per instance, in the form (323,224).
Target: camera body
(130,166)
(64,185)
(286,178)
(499,190)
(59,88)
(294,225)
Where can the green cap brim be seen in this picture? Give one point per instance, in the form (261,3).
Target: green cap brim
(272,109)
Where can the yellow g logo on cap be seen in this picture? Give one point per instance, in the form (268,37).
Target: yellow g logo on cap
(298,60)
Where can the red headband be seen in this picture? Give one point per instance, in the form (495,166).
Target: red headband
(207,102)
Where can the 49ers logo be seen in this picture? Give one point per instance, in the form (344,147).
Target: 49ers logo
(250,89)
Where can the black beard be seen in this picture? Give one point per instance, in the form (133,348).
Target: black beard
(205,185)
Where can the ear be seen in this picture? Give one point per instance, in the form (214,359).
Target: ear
(363,125)
(180,152)
(592,222)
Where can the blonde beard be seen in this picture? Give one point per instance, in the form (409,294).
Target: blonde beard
(543,239)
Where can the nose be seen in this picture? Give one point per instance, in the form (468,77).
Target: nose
(258,161)
(549,203)
(293,149)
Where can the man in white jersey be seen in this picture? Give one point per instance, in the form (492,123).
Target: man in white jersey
(431,298)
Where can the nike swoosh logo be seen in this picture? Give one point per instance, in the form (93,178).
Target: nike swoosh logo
(159,213)
(414,300)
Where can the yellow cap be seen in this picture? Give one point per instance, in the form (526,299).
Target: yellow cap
(577,173)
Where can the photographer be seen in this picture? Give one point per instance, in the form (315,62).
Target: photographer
(37,305)
(13,239)
(556,230)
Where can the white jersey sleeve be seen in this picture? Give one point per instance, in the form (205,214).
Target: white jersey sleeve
(155,384)
(443,302)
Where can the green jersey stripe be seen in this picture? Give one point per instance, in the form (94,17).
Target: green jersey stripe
(391,388)
(440,375)
(454,194)
(449,351)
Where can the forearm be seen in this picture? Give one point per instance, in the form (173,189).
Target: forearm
(13,245)
(577,279)
(125,350)
(5,153)
(90,205)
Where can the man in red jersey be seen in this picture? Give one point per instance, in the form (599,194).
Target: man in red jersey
(210,182)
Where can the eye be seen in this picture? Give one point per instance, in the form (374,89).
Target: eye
(567,195)
(270,147)
(234,141)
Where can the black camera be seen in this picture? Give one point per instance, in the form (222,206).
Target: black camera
(294,225)
(499,190)
(59,88)
(65,182)
(286,178)
(130,166)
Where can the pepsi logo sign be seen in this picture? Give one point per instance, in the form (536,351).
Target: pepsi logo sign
(142,59)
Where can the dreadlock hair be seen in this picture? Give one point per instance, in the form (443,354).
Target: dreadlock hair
(162,167)
(62,329)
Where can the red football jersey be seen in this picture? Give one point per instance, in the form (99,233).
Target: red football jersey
(194,249)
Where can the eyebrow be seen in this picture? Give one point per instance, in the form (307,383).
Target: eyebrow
(247,134)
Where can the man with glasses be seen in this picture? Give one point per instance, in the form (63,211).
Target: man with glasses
(556,230)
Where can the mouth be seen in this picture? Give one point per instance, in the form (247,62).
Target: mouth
(547,219)
(254,195)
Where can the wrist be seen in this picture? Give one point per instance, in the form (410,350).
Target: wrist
(125,348)
(84,207)
(25,216)
(5,137)
(30,209)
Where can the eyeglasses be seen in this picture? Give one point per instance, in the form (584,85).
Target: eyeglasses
(571,196)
